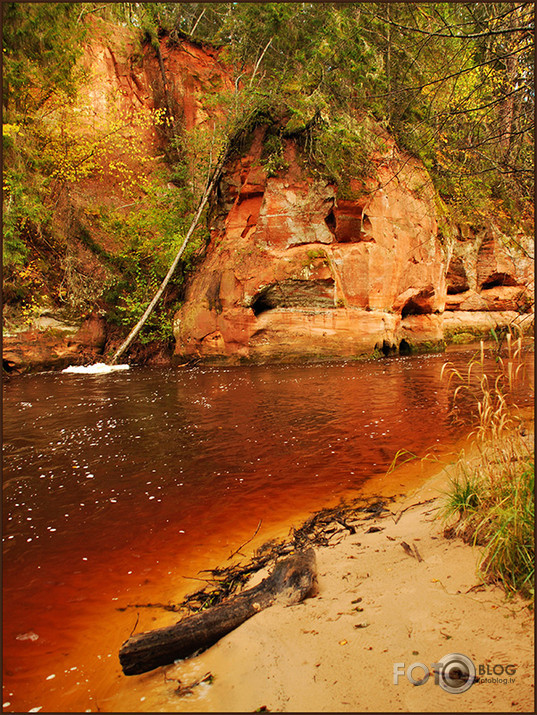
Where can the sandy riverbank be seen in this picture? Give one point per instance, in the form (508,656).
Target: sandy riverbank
(326,656)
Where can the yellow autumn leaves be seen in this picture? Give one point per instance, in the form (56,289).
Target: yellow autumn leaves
(73,146)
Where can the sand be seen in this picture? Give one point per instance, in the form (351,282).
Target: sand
(325,655)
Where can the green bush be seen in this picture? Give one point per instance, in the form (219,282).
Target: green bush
(493,501)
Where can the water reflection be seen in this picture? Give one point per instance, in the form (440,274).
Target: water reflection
(115,484)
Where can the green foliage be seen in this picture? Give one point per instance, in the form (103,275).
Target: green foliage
(272,158)
(44,159)
(24,215)
(452,82)
(463,103)
(463,499)
(42,43)
(150,237)
(493,502)
(54,142)
(41,46)
(23,284)
(342,150)
(508,530)
(314,253)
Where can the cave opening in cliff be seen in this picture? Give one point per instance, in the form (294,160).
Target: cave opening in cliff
(413,307)
(404,347)
(330,221)
(262,302)
(498,279)
(419,304)
(388,348)
(456,278)
(7,365)
(349,224)
(295,293)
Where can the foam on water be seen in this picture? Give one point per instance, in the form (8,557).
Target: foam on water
(100,368)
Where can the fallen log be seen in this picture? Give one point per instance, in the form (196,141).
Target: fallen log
(292,580)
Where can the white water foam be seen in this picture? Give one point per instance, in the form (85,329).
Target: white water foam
(100,368)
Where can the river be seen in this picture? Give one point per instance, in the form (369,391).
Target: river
(118,488)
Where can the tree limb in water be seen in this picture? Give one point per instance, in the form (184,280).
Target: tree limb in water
(246,542)
(233,137)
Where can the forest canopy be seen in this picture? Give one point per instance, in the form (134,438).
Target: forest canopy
(453,83)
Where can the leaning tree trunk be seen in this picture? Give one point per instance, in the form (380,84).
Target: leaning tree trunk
(292,580)
(139,325)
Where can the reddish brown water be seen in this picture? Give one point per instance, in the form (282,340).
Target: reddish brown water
(117,487)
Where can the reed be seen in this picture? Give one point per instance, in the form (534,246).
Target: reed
(490,501)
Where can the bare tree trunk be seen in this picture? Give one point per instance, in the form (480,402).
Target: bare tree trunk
(259,61)
(389,64)
(292,580)
(139,325)
(507,105)
(211,184)
(197,22)
(507,111)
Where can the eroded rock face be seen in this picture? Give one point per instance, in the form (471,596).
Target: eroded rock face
(490,278)
(468,325)
(122,92)
(52,343)
(456,278)
(494,266)
(295,271)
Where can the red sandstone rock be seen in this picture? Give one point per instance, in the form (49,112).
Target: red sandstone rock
(518,298)
(92,333)
(456,278)
(37,350)
(473,323)
(53,346)
(500,298)
(469,300)
(494,266)
(299,272)
(304,274)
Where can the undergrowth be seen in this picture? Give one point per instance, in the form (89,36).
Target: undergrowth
(490,501)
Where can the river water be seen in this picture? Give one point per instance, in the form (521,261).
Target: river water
(118,488)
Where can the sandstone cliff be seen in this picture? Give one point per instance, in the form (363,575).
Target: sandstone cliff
(295,268)
(293,271)
(489,282)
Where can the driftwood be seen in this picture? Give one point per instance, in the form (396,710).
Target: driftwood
(292,580)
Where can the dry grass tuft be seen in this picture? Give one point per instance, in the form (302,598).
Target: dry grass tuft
(490,503)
